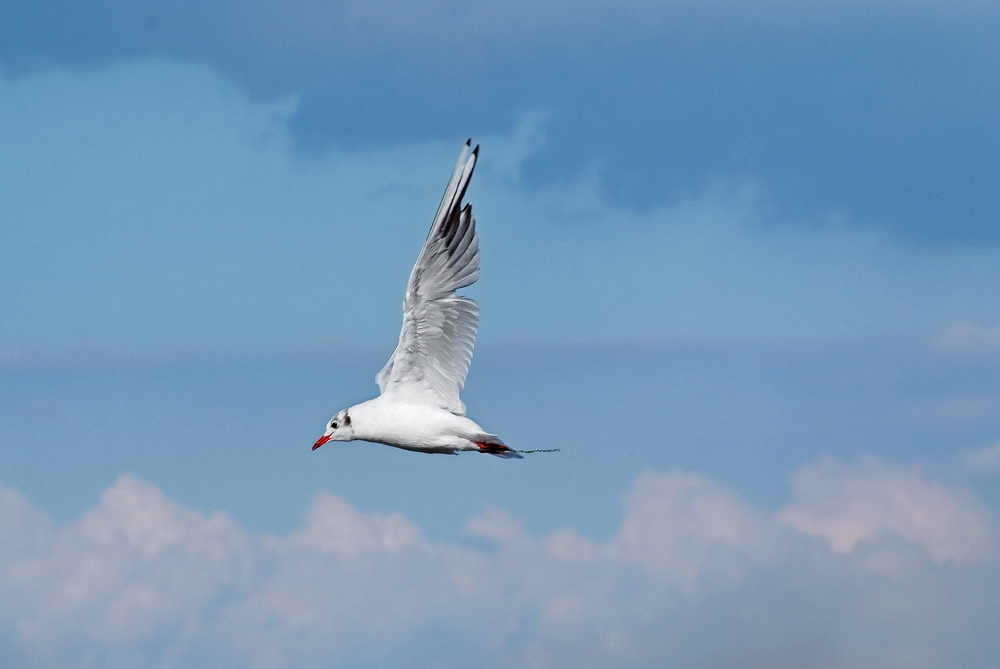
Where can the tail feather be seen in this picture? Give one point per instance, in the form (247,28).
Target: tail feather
(495,446)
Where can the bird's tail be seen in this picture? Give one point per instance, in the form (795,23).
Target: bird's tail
(492,444)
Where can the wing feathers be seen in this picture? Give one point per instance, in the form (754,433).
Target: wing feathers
(435,346)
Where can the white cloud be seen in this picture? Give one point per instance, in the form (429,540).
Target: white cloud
(852,505)
(130,566)
(333,526)
(681,525)
(143,581)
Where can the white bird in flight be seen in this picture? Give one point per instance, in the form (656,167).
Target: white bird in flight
(418,408)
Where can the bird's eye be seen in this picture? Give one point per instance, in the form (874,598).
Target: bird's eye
(333,425)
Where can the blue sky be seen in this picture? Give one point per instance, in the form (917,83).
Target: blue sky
(740,263)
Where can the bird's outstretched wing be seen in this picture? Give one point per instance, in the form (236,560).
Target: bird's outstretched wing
(435,345)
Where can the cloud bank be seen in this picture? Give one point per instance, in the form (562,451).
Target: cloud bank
(879,110)
(868,565)
(152,204)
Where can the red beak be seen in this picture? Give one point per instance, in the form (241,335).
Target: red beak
(322,440)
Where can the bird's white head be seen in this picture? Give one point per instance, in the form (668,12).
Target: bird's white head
(338,429)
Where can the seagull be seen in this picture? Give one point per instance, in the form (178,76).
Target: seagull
(418,407)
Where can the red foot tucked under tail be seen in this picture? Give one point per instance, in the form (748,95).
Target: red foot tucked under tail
(501,450)
(492,448)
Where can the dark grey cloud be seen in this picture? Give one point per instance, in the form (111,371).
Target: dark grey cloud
(887,114)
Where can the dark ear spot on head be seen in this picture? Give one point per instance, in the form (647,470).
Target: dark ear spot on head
(347,419)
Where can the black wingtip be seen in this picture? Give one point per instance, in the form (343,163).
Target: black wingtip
(468,142)
(475,151)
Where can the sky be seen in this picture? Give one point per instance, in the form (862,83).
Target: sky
(740,265)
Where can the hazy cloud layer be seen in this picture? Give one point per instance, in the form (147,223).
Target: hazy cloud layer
(970,339)
(982,461)
(142,581)
(881,111)
(151,204)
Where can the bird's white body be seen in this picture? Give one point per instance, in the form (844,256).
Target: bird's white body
(415,427)
(419,408)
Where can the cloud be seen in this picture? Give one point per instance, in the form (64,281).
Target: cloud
(131,188)
(852,505)
(969,339)
(142,581)
(133,567)
(833,106)
(29,526)
(983,461)
(683,526)
(223,202)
